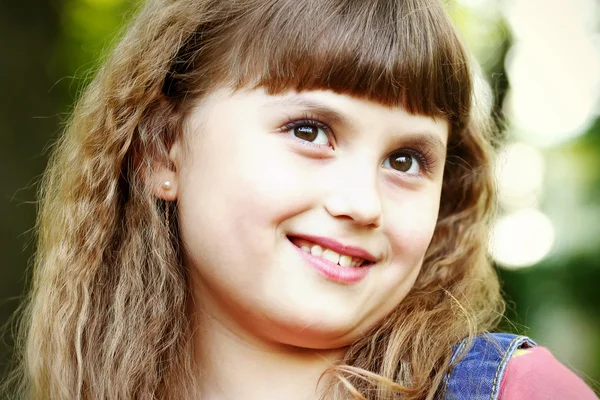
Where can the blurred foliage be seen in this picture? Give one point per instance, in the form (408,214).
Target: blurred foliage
(89,29)
(51,49)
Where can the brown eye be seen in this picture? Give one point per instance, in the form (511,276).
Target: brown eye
(310,132)
(306,132)
(403,161)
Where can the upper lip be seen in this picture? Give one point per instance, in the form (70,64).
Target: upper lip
(338,247)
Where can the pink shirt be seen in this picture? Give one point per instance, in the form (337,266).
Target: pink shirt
(534,374)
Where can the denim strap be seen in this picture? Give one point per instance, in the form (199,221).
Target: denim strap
(478,374)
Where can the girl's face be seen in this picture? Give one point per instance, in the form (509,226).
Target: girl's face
(260,177)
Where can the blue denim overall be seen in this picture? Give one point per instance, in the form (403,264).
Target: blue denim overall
(478,374)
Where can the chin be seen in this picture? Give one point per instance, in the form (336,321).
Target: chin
(316,331)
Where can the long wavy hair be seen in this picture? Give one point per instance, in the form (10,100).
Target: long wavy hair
(107,314)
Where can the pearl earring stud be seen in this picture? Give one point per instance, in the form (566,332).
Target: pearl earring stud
(166,185)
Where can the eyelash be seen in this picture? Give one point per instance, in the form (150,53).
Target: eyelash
(423,155)
(308,120)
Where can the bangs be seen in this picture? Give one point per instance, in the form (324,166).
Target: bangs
(391,51)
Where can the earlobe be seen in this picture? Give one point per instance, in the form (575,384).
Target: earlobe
(167,191)
(165,181)
(164,185)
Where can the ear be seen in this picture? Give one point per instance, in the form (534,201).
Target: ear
(165,177)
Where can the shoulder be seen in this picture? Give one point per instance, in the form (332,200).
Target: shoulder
(478,365)
(535,374)
(503,366)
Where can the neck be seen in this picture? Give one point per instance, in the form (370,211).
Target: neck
(236,365)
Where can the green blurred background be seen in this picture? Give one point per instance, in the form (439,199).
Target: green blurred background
(542,60)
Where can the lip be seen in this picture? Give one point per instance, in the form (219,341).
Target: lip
(334,272)
(339,247)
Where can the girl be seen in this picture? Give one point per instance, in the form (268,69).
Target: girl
(273,199)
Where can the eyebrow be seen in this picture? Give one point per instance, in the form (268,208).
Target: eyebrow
(425,140)
(419,139)
(320,109)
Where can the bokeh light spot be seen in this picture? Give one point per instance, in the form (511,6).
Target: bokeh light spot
(521,239)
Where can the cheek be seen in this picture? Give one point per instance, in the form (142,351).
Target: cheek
(236,193)
(411,227)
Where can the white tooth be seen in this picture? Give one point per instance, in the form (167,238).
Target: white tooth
(305,248)
(316,250)
(331,255)
(345,260)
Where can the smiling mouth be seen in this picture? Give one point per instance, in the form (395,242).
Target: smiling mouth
(343,260)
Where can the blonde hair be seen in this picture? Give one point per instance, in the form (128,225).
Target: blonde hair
(107,313)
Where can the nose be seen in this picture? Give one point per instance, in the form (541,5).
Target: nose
(355,195)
